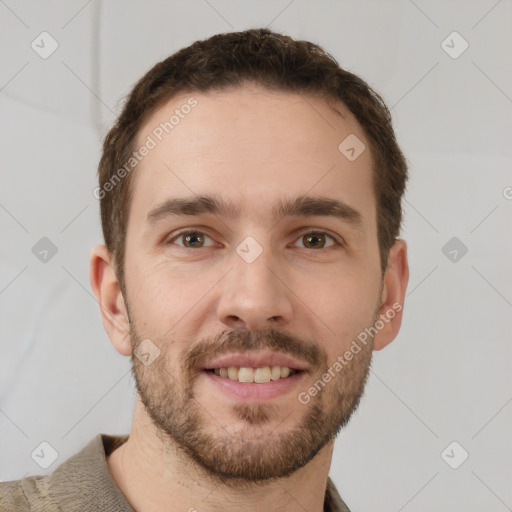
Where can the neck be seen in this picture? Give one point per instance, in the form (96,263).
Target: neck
(153,473)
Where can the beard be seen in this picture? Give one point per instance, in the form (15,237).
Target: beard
(254,452)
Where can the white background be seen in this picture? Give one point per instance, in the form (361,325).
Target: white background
(445,378)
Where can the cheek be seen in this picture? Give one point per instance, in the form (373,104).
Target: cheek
(164,296)
(346,309)
(153,303)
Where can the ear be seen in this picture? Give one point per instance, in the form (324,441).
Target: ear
(394,286)
(108,294)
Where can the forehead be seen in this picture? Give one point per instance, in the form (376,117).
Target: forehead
(219,119)
(252,140)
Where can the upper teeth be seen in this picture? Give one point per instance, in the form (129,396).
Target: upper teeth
(259,375)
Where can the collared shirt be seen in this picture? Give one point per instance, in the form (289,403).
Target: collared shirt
(83,483)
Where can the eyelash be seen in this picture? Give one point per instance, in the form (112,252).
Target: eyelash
(311,232)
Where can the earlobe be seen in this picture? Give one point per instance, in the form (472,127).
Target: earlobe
(107,291)
(395,282)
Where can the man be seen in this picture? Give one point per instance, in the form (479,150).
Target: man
(250,195)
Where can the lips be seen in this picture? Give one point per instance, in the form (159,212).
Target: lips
(256,359)
(251,391)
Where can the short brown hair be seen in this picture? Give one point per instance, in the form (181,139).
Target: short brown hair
(276,62)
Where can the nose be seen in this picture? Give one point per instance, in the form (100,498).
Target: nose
(255,295)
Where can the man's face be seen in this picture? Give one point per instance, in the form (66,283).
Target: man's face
(253,289)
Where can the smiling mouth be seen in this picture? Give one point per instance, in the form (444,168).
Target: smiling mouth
(260,375)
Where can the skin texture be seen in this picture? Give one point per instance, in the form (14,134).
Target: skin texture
(310,296)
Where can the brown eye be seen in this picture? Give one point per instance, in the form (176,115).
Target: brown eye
(193,240)
(317,240)
(190,239)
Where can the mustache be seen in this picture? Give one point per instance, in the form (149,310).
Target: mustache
(241,340)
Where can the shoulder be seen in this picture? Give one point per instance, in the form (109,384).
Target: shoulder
(81,483)
(26,494)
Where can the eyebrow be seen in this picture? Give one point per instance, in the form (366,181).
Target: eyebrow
(302,206)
